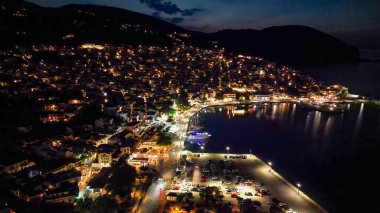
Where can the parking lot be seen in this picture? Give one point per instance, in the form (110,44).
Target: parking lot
(240,177)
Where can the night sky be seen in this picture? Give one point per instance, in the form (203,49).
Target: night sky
(355,21)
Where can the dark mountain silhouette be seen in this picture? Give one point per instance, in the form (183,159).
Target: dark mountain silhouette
(24,23)
(288,44)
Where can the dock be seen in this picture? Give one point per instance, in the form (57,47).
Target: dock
(278,186)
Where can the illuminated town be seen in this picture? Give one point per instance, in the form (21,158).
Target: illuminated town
(102,127)
(132,104)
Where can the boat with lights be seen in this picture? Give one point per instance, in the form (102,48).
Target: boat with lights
(198,135)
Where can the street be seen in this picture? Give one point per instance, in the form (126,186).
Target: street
(153,197)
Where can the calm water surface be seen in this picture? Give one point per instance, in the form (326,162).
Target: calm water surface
(334,156)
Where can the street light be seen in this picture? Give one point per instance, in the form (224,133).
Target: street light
(298,188)
(228,149)
(270,166)
(202,147)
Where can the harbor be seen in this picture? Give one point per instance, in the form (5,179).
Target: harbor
(303,144)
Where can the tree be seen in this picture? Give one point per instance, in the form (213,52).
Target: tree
(275,209)
(84,205)
(211,195)
(183,102)
(219,96)
(275,201)
(164,139)
(170,119)
(103,204)
(250,206)
(122,179)
(226,208)
(91,112)
(169,111)
(7,183)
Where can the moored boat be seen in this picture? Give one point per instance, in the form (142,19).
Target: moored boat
(197,135)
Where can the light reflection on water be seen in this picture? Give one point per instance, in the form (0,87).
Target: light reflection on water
(328,127)
(289,118)
(359,120)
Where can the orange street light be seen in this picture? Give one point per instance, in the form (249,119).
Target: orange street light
(298,188)
(270,166)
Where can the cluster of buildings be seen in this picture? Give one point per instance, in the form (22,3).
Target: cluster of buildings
(96,101)
(64,79)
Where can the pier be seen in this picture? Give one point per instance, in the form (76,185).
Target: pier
(263,175)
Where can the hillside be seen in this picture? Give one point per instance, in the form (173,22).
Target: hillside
(24,23)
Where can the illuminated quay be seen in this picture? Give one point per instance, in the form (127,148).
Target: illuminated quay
(258,181)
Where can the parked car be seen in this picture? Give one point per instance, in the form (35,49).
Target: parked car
(248,194)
